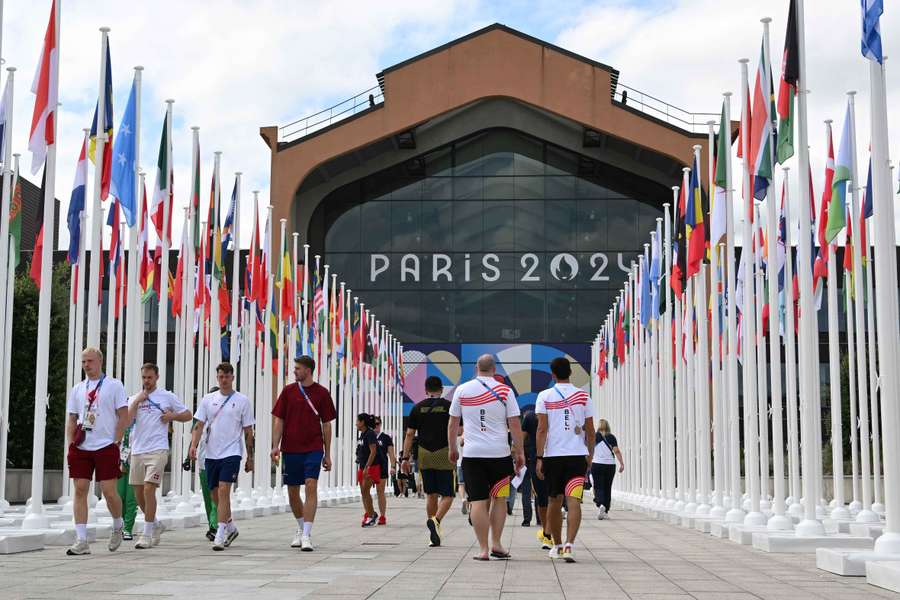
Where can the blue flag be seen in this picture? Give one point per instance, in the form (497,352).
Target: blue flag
(867,201)
(122,185)
(871,29)
(645,290)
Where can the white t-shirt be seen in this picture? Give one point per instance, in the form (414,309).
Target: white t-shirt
(108,400)
(566,407)
(484,416)
(150,434)
(222,433)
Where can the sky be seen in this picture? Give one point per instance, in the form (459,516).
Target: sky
(232,66)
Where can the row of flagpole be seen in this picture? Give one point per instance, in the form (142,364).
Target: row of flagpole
(279,306)
(686,330)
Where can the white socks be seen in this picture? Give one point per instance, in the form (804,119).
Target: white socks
(229,526)
(307,527)
(81,531)
(300,523)
(148,528)
(118,522)
(220,533)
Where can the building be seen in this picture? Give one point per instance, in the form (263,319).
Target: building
(485,196)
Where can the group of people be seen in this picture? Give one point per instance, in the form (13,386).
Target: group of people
(476,438)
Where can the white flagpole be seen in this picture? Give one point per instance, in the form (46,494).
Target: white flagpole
(762,383)
(5,312)
(282,358)
(809,342)
(35,517)
(93,320)
(292,353)
(235,273)
(886,306)
(5,365)
(866,515)
(790,359)
(120,295)
(839,512)
(736,513)
(186,389)
(162,322)
(668,373)
(855,504)
(110,355)
(877,498)
(215,328)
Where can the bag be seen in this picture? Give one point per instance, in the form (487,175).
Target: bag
(91,397)
(587,482)
(396,485)
(79,436)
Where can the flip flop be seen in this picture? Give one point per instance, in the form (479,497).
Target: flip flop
(500,555)
(481,558)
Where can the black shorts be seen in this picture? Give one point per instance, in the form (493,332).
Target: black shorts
(487,477)
(437,481)
(565,475)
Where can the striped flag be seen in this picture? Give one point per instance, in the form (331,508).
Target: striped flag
(787,90)
(106,159)
(837,209)
(76,206)
(871,29)
(761,128)
(46,91)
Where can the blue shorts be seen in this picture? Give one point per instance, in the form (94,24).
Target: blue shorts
(300,466)
(222,469)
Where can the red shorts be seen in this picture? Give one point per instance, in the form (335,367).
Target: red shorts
(84,463)
(374,474)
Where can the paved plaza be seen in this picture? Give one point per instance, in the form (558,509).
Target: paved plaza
(630,556)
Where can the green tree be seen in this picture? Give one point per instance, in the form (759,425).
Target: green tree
(24,359)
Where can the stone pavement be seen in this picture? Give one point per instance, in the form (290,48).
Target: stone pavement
(630,556)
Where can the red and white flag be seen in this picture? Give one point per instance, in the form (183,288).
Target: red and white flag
(46,91)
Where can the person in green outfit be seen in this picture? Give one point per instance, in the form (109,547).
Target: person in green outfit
(129,502)
(212,516)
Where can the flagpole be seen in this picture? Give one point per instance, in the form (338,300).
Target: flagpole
(134,312)
(93,307)
(869,274)
(5,312)
(282,358)
(762,383)
(5,365)
(790,358)
(855,504)
(669,374)
(35,517)
(839,512)
(215,328)
(866,515)
(265,475)
(235,269)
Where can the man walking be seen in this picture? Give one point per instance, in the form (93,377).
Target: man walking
(532,483)
(301,433)
(221,417)
(151,410)
(565,443)
(97,411)
(490,413)
(428,419)
(388,464)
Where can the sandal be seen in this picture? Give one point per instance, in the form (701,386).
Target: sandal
(500,555)
(481,558)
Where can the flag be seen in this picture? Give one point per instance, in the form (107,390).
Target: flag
(178,283)
(228,226)
(115,242)
(76,206)
(339,337)
(761,128)
(678,256)
(655,272)
(162,188)
(106,162)
(45,89)
(287,289)
(871,29)
(146,268)
(719,212)
(356,333)
(787,90)
(15,220)
(37,254)
(195,198)
(123,169)
(867,209)
(820,267)
(837,208)
(645,311)
(694,223)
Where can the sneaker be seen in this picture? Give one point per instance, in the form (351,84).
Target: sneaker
(78,548)
(568,553)
(526,523)
(465,508)
(297,542)
(546,541)
(371,520)
(306,544)
(230,537)
(434,531)
(508,510)
(382,520)
(211,534)
(115,539)
(127,536)
(601,512)
(554,553)
(144,542)
(218,543)
(158,529)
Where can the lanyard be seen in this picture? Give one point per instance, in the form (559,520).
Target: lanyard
(215,416)
(491,390)
(91,395)
(556,389)
(308,401)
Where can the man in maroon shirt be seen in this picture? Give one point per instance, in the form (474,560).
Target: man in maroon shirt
(301,430)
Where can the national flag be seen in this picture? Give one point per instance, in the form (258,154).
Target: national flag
(339,337)
(620,332)
(356,335)
(761,128)
(228,226)
(694,223)
(162,187)
(46,90)
(106,162)
(368,348)
(15,220)
(146,269)
(645,311)
(288,290)
(820,267)
(123,169)
(678,254)
(178,283)
(76,206)
(837,208)
(195,198)
(656,272)
(261,278)
(115,243)
(37,254)
(871,29)
(867,209)
(719,212)
(787,90)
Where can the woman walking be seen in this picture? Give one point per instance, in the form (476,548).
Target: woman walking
(603,468)
(368,472)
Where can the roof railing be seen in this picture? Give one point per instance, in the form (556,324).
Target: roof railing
(322,119)
(694,122)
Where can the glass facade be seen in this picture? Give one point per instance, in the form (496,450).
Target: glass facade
(499,237)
